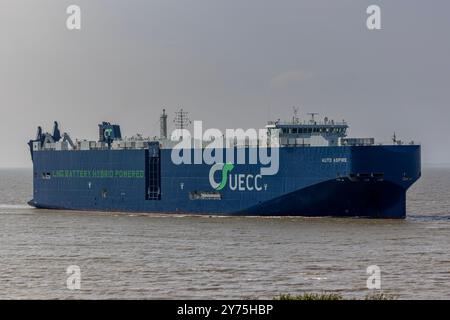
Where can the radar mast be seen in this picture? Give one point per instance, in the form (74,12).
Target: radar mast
(181,119)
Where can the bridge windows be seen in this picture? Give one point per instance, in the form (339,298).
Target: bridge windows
(308,130)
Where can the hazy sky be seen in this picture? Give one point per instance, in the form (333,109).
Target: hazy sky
(231,63)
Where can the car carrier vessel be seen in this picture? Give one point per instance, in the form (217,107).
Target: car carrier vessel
(321,172)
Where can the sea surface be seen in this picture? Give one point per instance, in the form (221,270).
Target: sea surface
(163,257)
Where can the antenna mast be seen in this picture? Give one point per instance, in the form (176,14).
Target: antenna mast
(295,117)
(181,119)
(312,114)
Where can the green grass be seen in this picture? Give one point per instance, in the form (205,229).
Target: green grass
(380,296)
(333,296)
(310,296)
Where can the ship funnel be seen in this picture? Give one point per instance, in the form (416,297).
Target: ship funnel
(56,133)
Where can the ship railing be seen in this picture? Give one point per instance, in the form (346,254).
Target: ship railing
(309,123)
(397,143)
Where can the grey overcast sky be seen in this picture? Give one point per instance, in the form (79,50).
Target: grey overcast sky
(231,63)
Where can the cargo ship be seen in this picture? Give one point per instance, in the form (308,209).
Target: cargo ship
(320,172)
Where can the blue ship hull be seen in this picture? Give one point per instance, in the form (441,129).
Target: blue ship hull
(350,181)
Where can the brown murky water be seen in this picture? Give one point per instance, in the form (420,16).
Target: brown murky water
(157,256)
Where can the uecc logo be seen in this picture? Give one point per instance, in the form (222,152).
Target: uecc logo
(241,182)
(225,167)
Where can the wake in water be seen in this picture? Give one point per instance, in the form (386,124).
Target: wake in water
(434,217)
(14,206)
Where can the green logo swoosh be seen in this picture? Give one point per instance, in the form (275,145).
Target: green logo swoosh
(226,168)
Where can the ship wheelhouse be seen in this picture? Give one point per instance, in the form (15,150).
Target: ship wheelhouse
(309,133)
